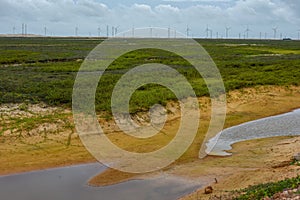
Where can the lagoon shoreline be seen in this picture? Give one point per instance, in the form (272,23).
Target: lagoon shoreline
(243,105)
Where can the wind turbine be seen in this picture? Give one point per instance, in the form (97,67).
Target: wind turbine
(188,31)
(260,35)
(112,31)
(266,35)
(298,34)
(211,33)
(247,31)
(76,31)
(99,31)
(275,31)
(107,30)
(227,30)
(23,26)
(207,31)
(133,32)
(151,32)
(116,30)
(14,30)
(26,29)
(45,31)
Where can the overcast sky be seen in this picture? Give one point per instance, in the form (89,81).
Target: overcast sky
(62,16)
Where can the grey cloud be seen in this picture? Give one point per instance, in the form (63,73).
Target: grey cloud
(91,13)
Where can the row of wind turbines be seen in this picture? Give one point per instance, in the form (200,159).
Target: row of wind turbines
(114,30)
(209,34)
(244,35)
(47,32)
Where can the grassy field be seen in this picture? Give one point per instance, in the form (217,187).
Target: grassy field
(44,69)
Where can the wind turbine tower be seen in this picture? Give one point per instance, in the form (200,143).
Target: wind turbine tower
(266,35)
(23,29)
(99,31)
(207,31)
(76,31)
(151,31)
(260,35)
(112,31)
(133,32)
(26,29)
(107,30)
(247,32)
(188,31)
(227,31)
(298,34)
(116,30)
(275,31)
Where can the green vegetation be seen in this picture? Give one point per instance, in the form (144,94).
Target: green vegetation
(268,189)
(33,50)
(295,162)
(17,124)
(44,69)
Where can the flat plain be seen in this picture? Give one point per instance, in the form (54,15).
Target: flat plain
(37,131)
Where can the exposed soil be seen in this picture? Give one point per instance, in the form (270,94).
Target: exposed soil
(52,141)
(36,137)
(253,162)
(243,105)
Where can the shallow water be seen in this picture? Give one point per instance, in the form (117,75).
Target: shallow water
(70,183)
(281,125)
